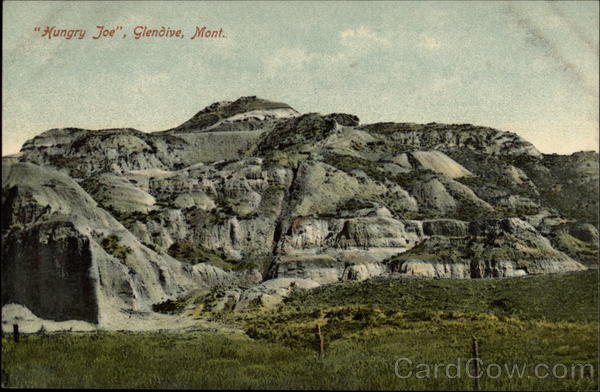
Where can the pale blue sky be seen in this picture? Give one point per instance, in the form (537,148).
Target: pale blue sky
(526,67)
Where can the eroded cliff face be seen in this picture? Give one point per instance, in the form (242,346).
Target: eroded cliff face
(49,269)
(64,258)
(257,199)
(506,247)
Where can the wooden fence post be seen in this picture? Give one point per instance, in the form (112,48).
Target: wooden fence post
(475,355)
(16,333)
(321,343)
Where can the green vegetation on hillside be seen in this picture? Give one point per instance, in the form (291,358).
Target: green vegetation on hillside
(112,245)
(348,163)
(584,252)
(368,327)
(571,297)
(564,183)
(306,129)
(127,219)
(194,254)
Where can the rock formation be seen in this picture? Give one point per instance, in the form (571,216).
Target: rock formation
(250,195)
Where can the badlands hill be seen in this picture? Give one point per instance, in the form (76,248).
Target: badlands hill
(256,199)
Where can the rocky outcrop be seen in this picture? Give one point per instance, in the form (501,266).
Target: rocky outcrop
(56,240)
(442,137)
(50,257)
(491,248)
(272,292)
(257,200)
(440,163)
(226,113)
(226,130)
(446,228)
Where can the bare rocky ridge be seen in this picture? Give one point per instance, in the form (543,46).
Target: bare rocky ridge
(256,199)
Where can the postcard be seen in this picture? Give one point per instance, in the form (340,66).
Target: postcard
(300,195)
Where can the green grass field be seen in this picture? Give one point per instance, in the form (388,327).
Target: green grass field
(369,326)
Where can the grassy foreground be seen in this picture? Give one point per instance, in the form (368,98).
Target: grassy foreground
(369,328)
